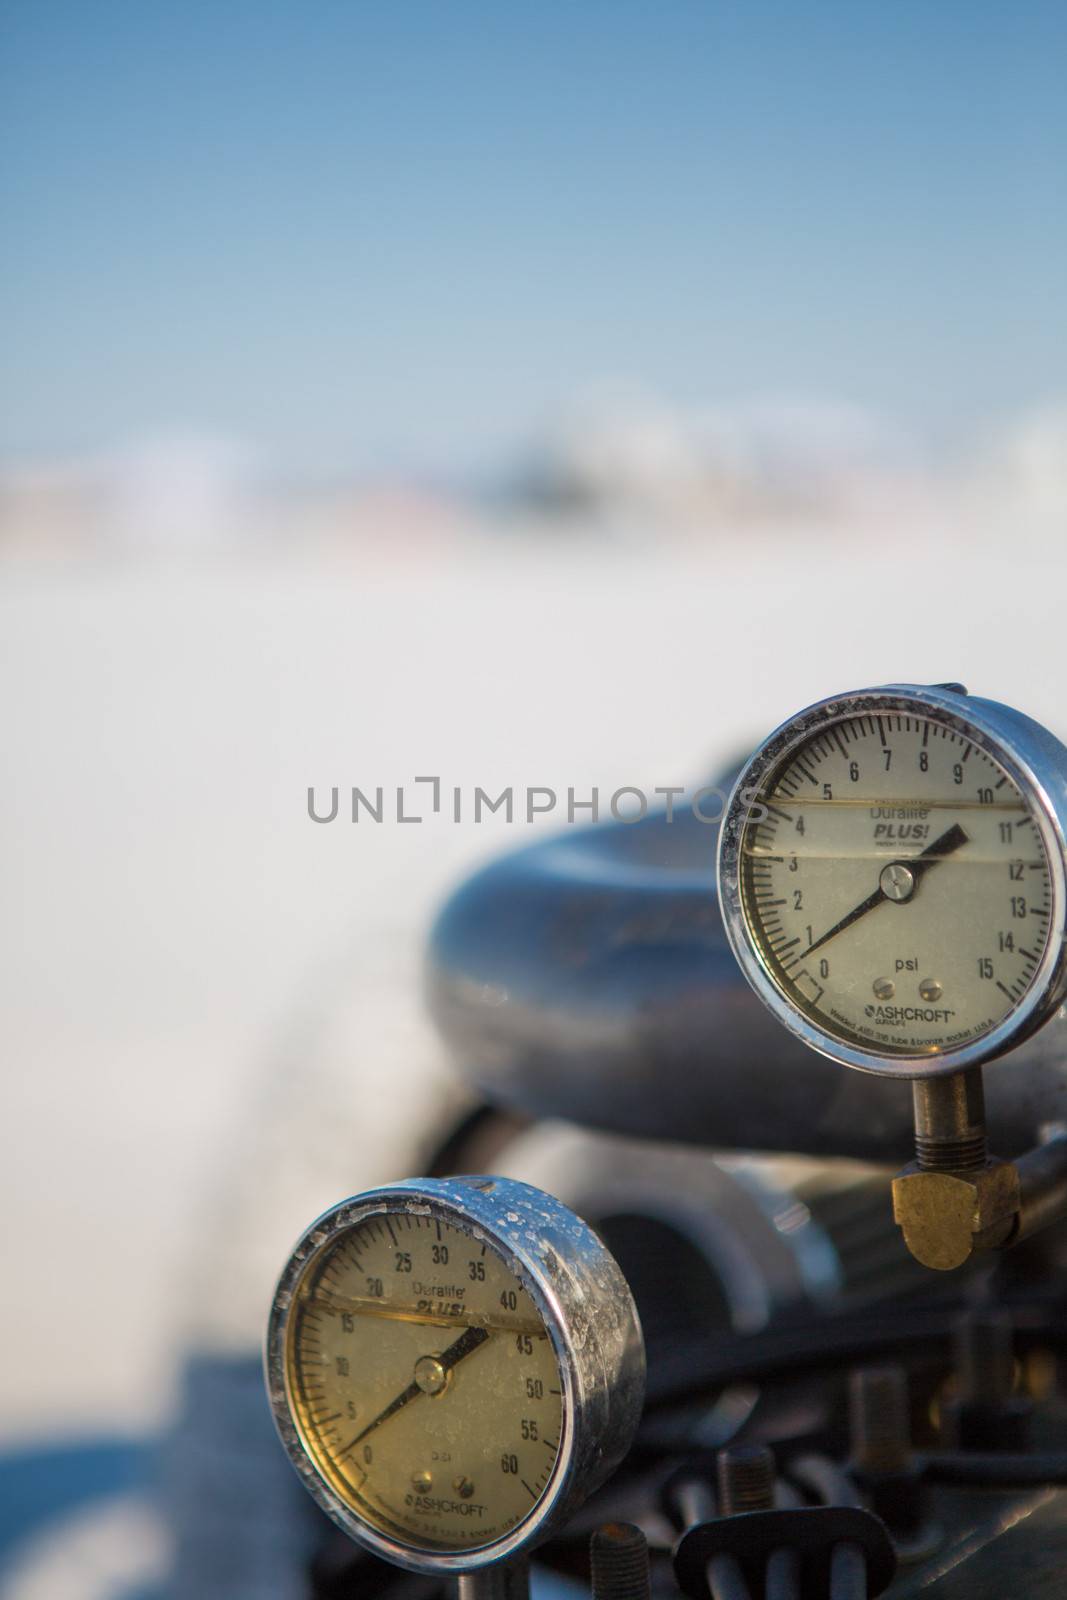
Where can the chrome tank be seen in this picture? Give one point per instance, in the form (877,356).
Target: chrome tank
(589,977)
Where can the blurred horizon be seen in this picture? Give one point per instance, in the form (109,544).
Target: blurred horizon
(626,469)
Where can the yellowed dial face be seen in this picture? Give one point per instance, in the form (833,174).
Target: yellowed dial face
(423,1382)
(896,886)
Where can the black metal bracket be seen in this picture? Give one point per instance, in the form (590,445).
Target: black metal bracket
(812,1531)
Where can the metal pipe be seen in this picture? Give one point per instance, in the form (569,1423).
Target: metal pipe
(694,1502)
(726,1580)
(848,1573)
(1042,1186)
(782,1578)
(997,1469)
(825,1479)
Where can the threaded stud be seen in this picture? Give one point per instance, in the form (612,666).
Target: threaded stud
(950,1130)
(962,1154)
(879,1419)
(618,1554)
(985,1356)
(746,1476)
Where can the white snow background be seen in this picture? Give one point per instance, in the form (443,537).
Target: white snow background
(211,1023)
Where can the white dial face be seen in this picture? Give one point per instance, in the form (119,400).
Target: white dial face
(424,1383)
(897,888)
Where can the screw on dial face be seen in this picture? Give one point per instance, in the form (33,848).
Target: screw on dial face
(423,1381)
(895,884)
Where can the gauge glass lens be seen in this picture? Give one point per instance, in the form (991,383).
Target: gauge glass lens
(896,887)
(423,1381)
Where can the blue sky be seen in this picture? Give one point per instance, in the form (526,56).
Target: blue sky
(402,234)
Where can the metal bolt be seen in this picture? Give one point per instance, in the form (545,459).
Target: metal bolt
(984,1412)
(746,1479)
(879,1419)
(618,1554)
(985,1356)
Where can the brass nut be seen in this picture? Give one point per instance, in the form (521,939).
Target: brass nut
(946,1216)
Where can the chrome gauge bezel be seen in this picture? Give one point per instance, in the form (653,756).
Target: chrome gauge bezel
(588,1313)
(1033,760)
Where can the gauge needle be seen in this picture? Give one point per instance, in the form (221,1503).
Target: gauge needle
(460,1348)
(916,866)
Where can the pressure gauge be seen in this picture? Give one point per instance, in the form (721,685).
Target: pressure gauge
(891,875)
(452,1365)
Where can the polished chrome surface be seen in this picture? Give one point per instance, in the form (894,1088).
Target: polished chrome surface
(587,1309)
(743,1230)
(590,977)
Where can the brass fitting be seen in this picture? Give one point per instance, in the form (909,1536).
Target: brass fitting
(954,1198)
(946,1216)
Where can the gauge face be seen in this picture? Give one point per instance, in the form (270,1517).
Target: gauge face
(894,883)
(423,1381)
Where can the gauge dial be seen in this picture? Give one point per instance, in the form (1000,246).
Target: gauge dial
(893,879)
(424,1381)
(425,1374)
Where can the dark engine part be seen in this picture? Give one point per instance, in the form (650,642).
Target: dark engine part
(588,978)
(875,1415)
